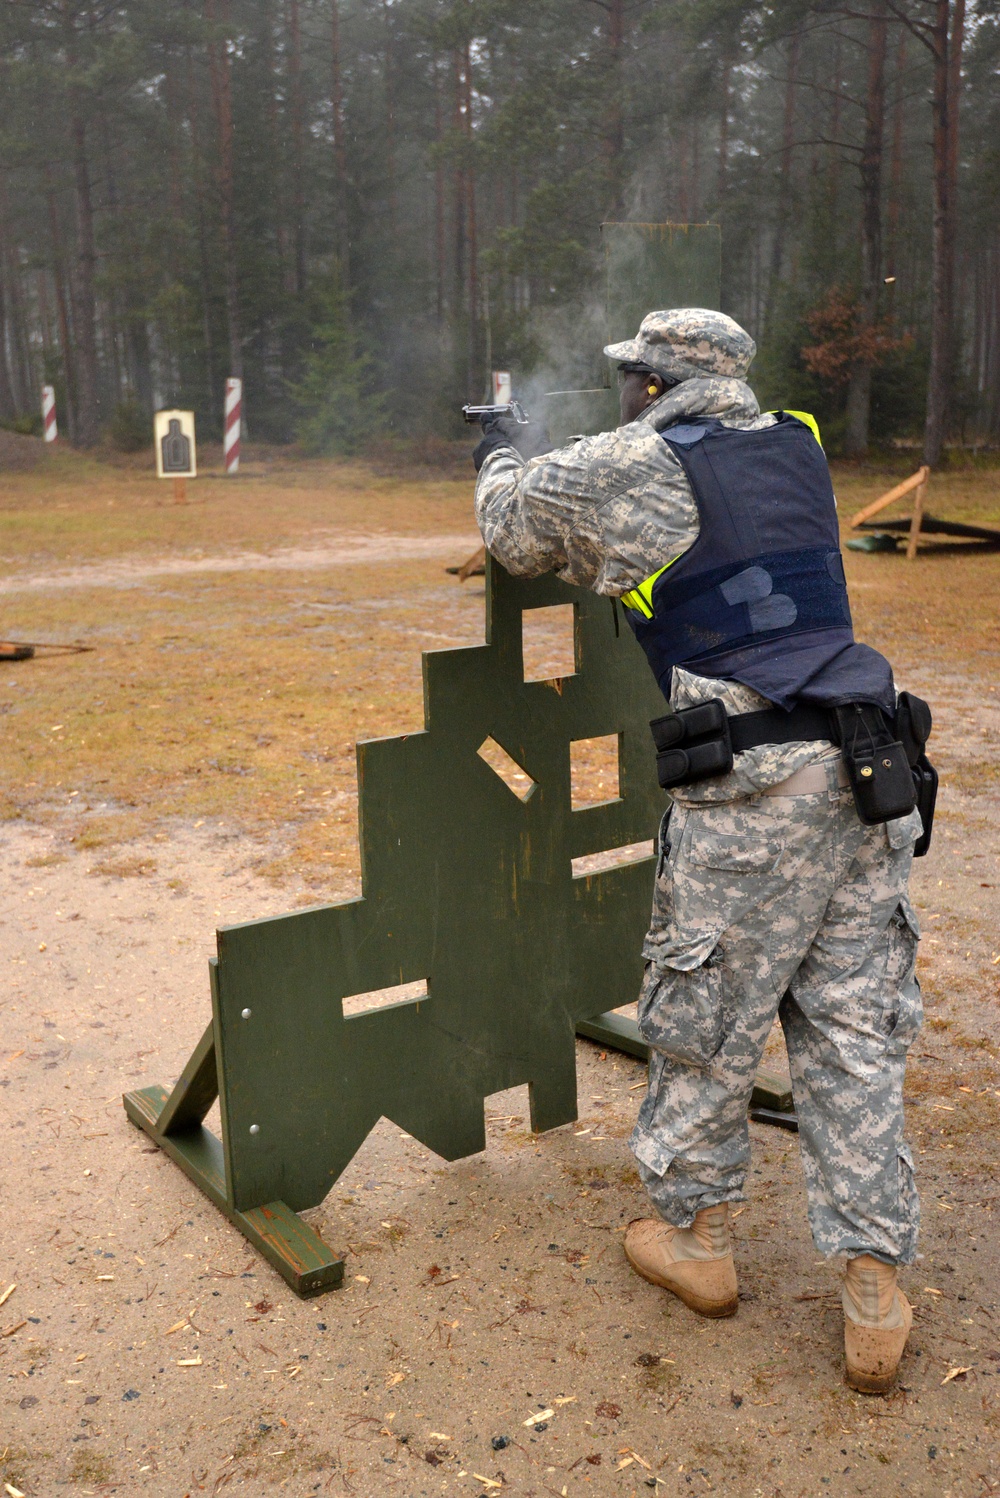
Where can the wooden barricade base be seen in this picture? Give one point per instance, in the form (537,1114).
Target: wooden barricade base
(919,524)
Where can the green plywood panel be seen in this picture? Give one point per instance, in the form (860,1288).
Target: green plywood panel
(465,887)
(649,266)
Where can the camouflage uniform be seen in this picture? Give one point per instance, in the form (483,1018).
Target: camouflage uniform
(763,904)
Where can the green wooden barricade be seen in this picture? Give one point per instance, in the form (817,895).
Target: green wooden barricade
(468,887)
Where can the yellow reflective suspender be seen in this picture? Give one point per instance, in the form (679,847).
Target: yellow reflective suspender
(805,418)
(641,598)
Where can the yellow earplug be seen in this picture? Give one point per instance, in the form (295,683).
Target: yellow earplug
(652,389)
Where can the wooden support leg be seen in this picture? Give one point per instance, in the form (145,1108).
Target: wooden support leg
(174,1123)
(915,523)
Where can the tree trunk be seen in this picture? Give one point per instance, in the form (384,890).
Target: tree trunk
(833,167)
(45,319)
(784,181)
(859,389)
(471,224)
(945,41)
(62,306)
(390,122)
(204,277)
(221,76)
(681,175)
(19,359)
(993,359)
(460,191)
(88,376)
(339,148)
(695,174)
(88,412)
(439,237)
(298,126)
(8,407)
(727,72)
(896,166)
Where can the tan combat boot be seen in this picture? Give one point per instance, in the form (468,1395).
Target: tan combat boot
(877,1319)
(695,1263)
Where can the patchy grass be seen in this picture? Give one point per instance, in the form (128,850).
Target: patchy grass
(235,697)
(129,867)
(239,697)
(72,508)
(91,1468)
(16,1464)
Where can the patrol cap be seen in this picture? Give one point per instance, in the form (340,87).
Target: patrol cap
(687,343)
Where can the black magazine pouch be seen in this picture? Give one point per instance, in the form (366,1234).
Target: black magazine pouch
(692,743)
(876,763)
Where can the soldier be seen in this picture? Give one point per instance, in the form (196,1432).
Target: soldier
(716,527)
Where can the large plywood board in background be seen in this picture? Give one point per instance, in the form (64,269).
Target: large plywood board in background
(646,267)
(649,266)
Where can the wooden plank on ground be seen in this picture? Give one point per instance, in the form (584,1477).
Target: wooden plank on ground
(930,526)
(885,500)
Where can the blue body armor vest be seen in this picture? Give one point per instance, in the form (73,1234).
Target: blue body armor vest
(761,596)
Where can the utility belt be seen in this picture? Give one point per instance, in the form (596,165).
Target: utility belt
(888,770)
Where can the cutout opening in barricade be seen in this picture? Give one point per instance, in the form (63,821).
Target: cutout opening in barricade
(513,775)
(594,772)
(612,858)
(383,998)
(548,640)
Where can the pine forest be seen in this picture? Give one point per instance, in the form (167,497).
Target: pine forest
(361,207)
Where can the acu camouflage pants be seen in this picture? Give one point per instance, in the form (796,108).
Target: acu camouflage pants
(787,905)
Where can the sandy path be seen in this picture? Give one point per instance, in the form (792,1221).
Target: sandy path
(347,550)
(150,1350)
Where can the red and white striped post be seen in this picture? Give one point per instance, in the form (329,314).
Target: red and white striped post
(49,413)
(232,420)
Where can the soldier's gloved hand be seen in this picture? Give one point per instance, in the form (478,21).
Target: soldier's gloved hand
(502,431)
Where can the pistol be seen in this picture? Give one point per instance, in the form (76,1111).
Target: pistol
(513,409)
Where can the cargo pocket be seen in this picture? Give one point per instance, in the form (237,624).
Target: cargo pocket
(903,831)
(904,1010)
(735,838)
(682,1004)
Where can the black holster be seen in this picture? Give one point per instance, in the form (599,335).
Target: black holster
(913,724)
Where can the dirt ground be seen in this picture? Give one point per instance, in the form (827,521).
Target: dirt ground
(197,768)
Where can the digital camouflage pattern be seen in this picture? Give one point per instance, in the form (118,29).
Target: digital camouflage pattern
(766,903)
(787,905)
(687,343)
(606,511)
